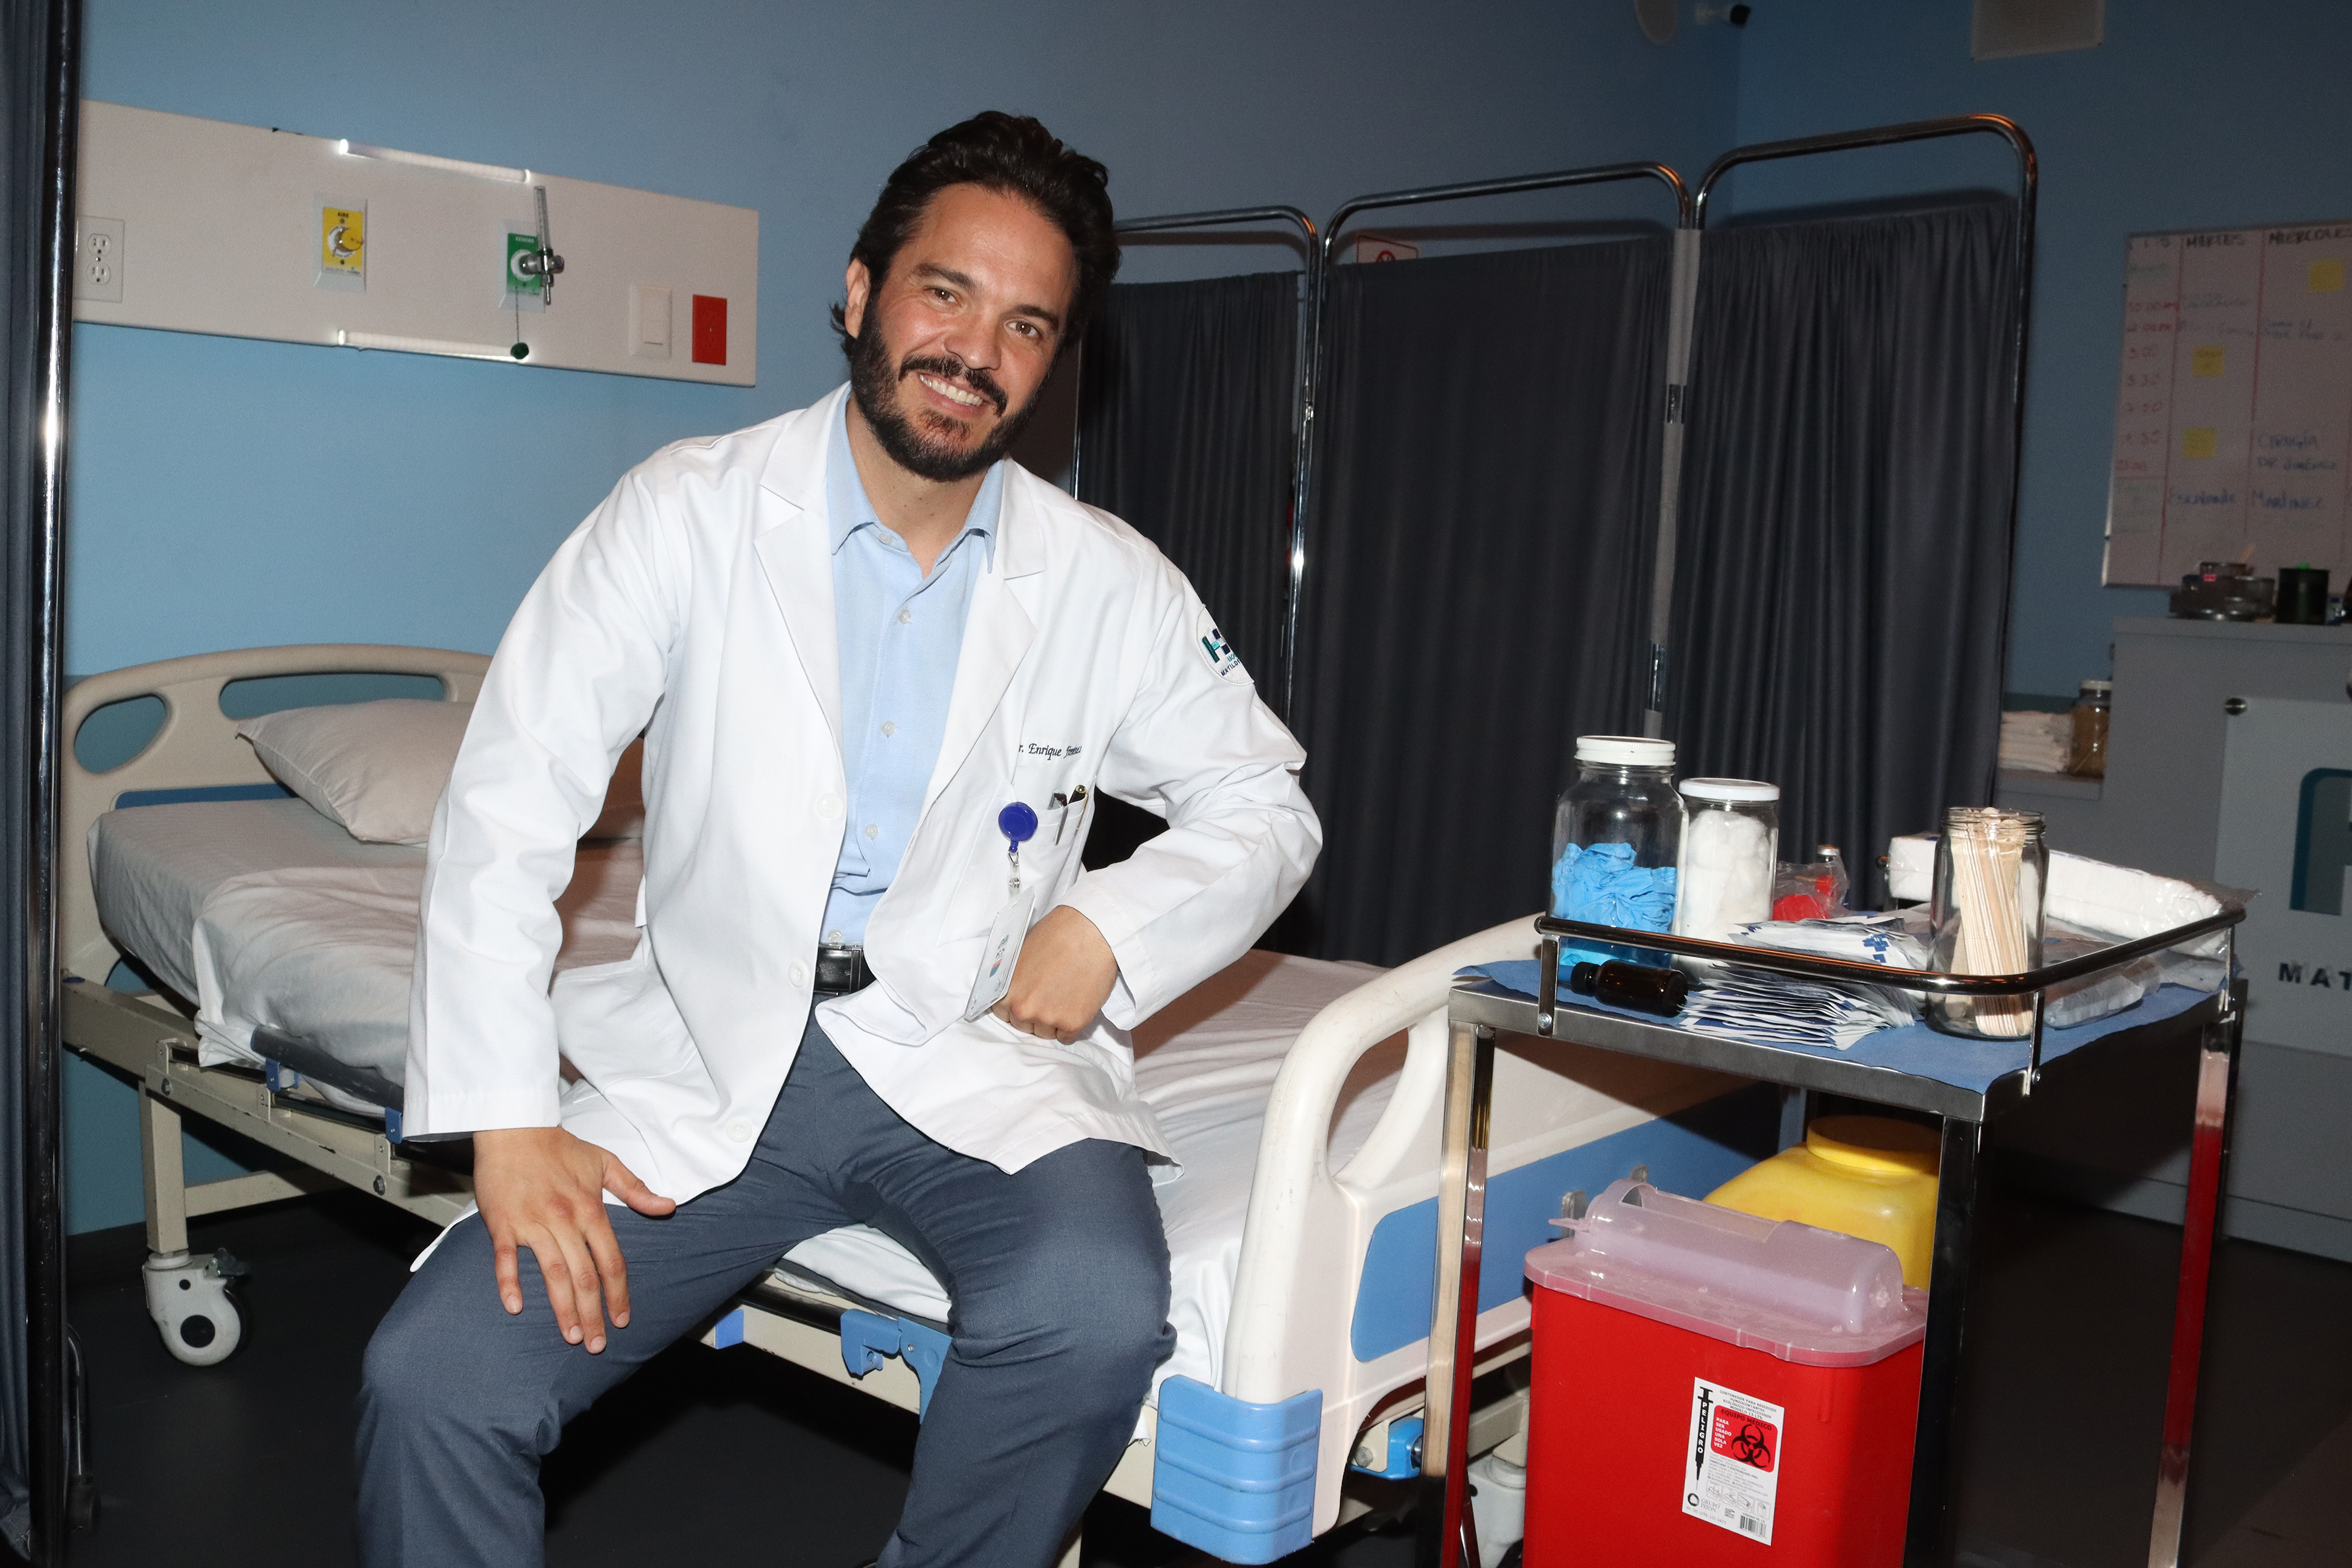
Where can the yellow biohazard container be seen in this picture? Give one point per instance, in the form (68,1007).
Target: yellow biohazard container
(1872,1176)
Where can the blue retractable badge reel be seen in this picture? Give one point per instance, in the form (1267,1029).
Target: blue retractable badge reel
(1018,824)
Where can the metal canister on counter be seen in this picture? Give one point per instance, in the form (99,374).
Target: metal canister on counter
(1615,835)
(1731,845)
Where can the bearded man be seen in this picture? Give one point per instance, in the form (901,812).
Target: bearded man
(881,673)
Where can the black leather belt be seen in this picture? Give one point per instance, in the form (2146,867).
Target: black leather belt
(842,970)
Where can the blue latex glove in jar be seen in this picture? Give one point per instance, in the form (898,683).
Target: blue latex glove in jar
(1615,837)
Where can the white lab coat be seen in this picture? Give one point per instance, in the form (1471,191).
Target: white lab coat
(696,604)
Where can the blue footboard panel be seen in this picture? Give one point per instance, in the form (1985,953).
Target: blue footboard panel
(1692,1153)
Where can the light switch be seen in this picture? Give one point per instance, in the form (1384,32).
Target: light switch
(650,321)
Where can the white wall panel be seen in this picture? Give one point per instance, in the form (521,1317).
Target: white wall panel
(196,225)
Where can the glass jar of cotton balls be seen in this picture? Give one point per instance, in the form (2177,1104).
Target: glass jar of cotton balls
(1731,844)
(1614,841)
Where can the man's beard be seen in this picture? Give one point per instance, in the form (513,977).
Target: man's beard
(873,382)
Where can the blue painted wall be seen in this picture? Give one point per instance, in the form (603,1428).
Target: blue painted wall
(2192,114)
(229,494)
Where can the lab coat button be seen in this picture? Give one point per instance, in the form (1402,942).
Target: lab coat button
(800,974)
(739,1131)
(828,806)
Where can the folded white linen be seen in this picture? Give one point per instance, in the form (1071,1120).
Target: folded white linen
(2111,901)
(2034,742)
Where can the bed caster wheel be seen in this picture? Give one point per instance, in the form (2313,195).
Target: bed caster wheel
(187,1295)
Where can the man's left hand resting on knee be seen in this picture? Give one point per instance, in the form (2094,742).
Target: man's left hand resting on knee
(884,675)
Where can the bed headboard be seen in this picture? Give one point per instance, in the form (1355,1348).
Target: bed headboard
(196,746)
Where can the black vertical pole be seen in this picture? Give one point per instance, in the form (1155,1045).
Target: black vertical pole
(44,113)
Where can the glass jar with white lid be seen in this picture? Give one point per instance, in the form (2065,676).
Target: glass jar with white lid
(1730,847)
(1615,834)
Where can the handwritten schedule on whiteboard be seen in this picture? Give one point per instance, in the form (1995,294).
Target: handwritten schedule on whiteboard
(2233,411)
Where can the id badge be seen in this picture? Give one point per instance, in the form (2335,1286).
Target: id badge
(1001,954)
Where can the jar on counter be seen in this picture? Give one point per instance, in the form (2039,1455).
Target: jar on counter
(1731,846)
(2087,757)
(1992,877)
(1615,838)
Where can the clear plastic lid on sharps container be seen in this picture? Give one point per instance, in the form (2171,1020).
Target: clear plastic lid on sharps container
(1785,1287)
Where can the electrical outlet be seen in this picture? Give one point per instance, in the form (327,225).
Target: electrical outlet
(98,260)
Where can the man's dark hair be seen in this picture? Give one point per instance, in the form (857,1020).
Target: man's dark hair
(1015,155)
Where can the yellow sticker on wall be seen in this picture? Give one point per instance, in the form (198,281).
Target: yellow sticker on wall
(2206,361)
(343,239)
(2327,276)
(2198,440)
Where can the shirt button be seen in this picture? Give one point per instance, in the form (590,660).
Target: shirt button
(800,974)
(739,1131)
(833,937)
(906,617)
(889,727)
(828,805)
(873,831)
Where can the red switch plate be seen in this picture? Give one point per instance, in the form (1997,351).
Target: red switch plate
(710,329)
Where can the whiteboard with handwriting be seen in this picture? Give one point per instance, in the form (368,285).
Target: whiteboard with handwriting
(2233,414)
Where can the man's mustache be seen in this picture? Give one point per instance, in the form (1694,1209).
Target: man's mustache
(949,369)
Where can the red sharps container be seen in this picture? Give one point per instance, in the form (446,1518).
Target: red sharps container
(1715,1388)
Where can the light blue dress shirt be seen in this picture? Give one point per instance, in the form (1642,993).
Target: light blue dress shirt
(900,634)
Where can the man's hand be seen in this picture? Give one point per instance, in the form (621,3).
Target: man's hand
(543,1189)
(1065,976)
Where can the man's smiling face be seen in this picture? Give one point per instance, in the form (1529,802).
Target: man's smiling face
(954,346)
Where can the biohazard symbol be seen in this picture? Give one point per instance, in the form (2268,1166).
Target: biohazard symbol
(1751,1445)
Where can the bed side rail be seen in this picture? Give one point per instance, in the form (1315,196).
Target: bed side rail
(1300,1235)
(196,746)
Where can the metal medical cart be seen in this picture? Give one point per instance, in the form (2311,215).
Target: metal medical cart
(1479,1011)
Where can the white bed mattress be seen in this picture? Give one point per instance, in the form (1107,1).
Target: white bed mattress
(1206,1064)
(267,913)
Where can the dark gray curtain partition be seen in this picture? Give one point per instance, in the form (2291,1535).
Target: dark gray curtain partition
(1184,430)
(1476,585)
(1844,535)
(36,161)
(1184,415)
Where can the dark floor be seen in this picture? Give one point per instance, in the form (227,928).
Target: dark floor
(710,1454)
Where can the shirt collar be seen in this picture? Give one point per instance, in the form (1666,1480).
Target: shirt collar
(848,510)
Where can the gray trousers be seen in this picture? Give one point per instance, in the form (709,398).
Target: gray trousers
(1060,1277)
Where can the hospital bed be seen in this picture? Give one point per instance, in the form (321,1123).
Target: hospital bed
(1302,1096)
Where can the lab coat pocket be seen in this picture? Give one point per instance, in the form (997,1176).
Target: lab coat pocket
(1048,859)
(617,1022)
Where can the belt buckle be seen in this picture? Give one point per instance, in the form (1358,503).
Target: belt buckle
(841,971)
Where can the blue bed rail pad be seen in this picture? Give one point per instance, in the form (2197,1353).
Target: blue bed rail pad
(1235,1479)
(1914,1049)
(1403,1461)
(867,1338)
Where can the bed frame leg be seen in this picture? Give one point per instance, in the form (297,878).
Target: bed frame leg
(167,1186)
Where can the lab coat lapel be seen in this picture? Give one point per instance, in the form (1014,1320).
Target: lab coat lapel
(796,551)
(998,630)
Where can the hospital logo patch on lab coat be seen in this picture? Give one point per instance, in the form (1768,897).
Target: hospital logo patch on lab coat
(1215,649)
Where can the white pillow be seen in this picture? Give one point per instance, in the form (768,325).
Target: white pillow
(379,769)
